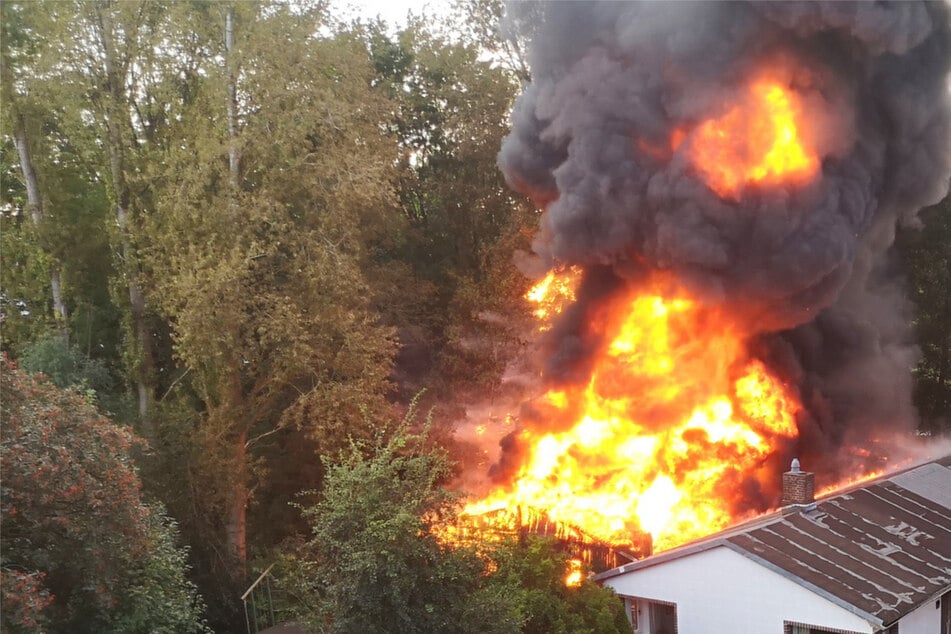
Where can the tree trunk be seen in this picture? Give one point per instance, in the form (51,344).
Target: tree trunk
(34,202)
(59,306)
(232,106)
(35,206)
(116,112)
(236,529)
(236,526)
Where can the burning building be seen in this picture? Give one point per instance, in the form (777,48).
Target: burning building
(720,185)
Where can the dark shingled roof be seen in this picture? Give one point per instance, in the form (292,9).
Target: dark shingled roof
(879,550)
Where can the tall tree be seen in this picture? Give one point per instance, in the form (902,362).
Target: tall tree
(35,204)
(464,224)
(87,64)
(14,44)
(54,210)
(263,281)
(116,73)
(115,29)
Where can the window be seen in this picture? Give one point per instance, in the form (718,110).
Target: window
(651,617)
(663,617)
(945,606)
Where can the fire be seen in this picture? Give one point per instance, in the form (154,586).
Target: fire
(672,420)
(672,430)
(552,293)
(843,484)
(760,140)
(574,577)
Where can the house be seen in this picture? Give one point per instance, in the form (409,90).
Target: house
(873,558)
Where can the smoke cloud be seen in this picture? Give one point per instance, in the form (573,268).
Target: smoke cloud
(806,266)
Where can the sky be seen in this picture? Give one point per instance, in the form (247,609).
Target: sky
(392,11)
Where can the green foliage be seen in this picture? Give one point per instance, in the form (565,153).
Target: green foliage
(375,564)
(264,284)
(159,599)
(463,223)
(926,255)
(533,571)
(80,544)
(259,265)
(24,283)
(65,365)
(71,235)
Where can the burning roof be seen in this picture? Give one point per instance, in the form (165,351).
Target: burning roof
(720,185)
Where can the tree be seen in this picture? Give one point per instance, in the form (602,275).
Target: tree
(505,37)
(50,197)
(926,256)
(80,549)
(14,37)
(258,246)
(375,564)
(464,224)
(114,41)
(101,78)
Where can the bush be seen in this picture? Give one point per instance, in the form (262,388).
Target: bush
(79,548)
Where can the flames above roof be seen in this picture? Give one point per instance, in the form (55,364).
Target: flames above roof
(722,180)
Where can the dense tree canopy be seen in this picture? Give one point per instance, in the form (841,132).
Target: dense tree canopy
(268,230)
(257,262)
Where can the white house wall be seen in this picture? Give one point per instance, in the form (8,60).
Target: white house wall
(924,620)
(720,590)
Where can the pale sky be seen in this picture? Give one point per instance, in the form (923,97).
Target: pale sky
(392,11)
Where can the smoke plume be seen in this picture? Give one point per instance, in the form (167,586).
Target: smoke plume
(805,266)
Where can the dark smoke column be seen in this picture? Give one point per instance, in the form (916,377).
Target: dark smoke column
(805,265)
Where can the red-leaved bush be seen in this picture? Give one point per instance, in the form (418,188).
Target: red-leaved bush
(73,520)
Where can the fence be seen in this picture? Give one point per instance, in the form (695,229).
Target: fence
(258,604)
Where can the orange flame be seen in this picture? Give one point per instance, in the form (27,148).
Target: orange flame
(673,419)
(552,294)
(760,140)
(573,578)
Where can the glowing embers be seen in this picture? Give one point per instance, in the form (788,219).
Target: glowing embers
(552,293)
(671,424)
(760,140)
(574,577)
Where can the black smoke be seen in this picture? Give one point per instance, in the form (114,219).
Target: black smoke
(807,266)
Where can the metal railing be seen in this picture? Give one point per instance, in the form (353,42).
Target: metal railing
(261,616)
